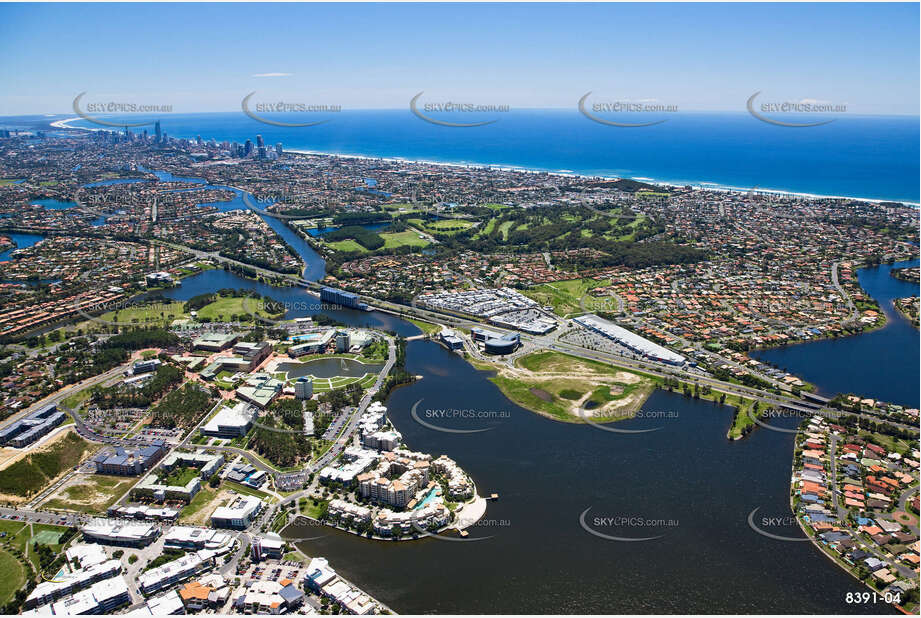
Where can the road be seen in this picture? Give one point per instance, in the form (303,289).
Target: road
(653,368)
(58,396)
(344,438)
(844,295)
(352,424)
(840,511)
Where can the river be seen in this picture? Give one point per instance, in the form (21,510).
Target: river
(541,560)
(547,473)
(689,485)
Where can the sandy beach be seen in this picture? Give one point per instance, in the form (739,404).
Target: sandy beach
(699,185)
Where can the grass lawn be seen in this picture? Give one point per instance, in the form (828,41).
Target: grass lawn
(564,296)
(202,499)
(11,528)
(322,385)
(401,239)
(375,351)
(179,477)
(77,399)
(155,313)
(8,181)
(248,491)
(315,511)
(226,306)
(557,362)
(348,246)
(42,533)
(425,327)
(14,576)
(743,418)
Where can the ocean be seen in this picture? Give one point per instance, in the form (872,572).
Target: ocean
(869,157)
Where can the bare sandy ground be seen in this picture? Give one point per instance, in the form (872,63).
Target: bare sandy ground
(588,378)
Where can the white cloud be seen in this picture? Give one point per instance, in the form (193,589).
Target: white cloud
(273,75)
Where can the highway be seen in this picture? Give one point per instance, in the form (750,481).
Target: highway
(790,402)
(546,342)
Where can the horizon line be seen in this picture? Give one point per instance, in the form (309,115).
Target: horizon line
(165,115)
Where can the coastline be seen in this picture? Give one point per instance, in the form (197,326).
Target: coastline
(699,185)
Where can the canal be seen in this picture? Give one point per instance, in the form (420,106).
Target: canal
(882,364)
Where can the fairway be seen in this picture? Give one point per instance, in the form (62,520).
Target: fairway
(348,245)
(14,576)
(155,313)
(403,239)
(228,307)
(443,226)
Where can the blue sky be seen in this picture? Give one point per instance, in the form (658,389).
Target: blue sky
(203,57)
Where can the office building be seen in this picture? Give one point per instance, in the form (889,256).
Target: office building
(238,515)
(303,388)
(341,297)
(230,422)
(119,533)
(215,342)
(130,462)
(30,428)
